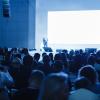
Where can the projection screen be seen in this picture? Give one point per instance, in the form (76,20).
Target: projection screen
(74,27)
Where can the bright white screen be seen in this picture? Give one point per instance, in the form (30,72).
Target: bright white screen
(74,27)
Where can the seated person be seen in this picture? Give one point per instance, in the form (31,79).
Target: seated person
(83,94)
(55,87)
(90,73)
(31,92)
(6,83)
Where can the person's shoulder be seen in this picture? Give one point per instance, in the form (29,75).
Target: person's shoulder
(83,94)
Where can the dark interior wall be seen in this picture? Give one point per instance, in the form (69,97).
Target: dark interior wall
(16,30)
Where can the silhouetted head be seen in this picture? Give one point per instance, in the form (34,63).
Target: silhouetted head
(44,53)
(55,87)
(77,52)
(57,57)
(36,57)
(98,53)
(81,51)
(71,52)
(46,59)
(16,63)
(89,72)
(36,79)
(25,51)
(51,56)
(65,51)
(91,60)
(28,60)
(58,66)
(64,57)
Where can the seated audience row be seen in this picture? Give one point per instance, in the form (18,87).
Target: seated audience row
(60,76)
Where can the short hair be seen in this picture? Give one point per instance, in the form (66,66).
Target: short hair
(58,66)
(57,57)
(89,72)
(37,76)
(36,56)
(53,85)
(28,60)
(46,59)
(51,56)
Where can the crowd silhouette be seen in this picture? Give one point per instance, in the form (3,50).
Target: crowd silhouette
(65,75)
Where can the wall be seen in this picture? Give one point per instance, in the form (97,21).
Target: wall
(20,31)
(16,30)
(43,6)
(32,14)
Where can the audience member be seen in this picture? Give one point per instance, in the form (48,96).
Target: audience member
(90,73)
(25,71)
(55,87)
(32,91)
